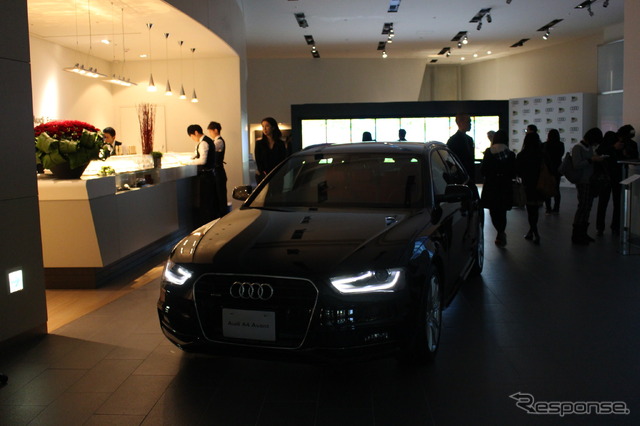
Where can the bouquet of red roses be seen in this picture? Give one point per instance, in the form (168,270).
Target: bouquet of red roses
(72,141)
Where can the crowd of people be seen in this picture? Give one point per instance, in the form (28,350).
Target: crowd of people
(596,159)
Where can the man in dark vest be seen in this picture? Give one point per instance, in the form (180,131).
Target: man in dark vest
(204,158)
(219,173)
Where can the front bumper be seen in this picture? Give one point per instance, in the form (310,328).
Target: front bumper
(306,321)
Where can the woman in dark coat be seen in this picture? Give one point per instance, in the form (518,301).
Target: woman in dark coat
(553,150)
(528,163)
(498,168)
(270,150)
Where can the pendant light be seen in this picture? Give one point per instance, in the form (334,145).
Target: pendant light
(80,68)
(152,86)
(120,80)
(194,97)
(167,91)
(182,94)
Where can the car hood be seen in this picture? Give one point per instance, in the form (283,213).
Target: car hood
(252,241)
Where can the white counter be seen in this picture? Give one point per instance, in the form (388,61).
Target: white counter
(87,225)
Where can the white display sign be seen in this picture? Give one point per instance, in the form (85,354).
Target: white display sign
(254,325)
(15,281)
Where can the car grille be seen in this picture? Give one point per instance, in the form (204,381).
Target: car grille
(293,302)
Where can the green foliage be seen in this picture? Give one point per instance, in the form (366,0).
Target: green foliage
(51,151)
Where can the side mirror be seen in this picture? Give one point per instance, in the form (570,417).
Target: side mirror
(454,194)
(242,192)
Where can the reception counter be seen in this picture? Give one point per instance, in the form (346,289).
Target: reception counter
(94,228)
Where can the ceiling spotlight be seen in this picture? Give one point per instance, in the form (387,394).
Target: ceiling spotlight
(508,1)
(465,40)
(459,44)
(606,3)
(546,35)
(448,54)
(489,18)
(302,20)
(589,9)
(479,27)
(384,54)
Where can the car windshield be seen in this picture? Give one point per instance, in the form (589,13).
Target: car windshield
(347,180)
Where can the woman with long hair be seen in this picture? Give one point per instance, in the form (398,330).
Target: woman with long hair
(553,150)
(528,163)
(270,150)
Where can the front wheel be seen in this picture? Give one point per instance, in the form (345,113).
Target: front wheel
(429,327)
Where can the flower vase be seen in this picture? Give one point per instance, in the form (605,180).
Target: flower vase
(157,162)
(63,171)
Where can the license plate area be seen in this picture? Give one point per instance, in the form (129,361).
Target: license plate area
(249,324)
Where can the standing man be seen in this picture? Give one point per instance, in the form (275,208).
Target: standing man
(462,145)
(219,173)
(204,158)
(110,138)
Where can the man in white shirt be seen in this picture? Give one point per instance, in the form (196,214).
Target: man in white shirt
(205,159)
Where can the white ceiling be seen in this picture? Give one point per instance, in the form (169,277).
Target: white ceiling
(352,28)
(340,28)
(82,24)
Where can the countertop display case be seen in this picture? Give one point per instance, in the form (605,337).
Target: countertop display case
(98,226)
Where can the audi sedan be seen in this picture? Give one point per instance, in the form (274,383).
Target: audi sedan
(343,249)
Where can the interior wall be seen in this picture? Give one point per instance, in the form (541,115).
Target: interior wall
(631,97)
(62,95)
(225,18)
(563,68)
(24,311)
(276,84)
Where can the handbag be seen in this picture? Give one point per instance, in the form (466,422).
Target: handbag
(519,195)
(547,184)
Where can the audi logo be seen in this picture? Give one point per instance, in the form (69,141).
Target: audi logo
(253,291)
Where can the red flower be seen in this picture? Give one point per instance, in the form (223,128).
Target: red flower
(64,129)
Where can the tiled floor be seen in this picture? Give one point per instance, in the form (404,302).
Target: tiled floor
(555,321)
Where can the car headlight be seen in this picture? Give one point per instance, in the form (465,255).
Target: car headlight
(383,280)
(176,274)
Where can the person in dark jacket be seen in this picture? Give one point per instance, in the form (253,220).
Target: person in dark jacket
(528,163)
(270,150)
(584,157)
(462,145)
(553,151)
(498,168)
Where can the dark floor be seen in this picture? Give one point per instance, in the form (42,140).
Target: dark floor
(558,322)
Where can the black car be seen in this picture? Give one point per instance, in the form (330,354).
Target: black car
(342,249)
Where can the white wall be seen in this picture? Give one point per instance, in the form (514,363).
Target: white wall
(563,68)
(276,84)
(61,95)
